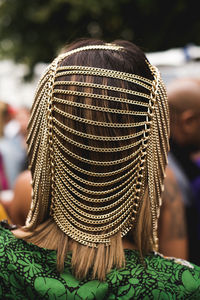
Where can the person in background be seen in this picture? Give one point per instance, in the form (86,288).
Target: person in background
(173,236)
(5,116)
(13,146)
(3,186)
(97,147)
(18,204)
(184,104)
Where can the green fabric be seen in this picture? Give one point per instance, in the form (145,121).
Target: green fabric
(29,272)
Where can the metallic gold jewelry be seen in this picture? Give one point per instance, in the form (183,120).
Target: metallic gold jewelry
(94,148)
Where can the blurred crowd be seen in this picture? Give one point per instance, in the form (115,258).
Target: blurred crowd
(180,213)
(13,155)
(13,125)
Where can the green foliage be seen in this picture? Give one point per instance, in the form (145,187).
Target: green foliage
(33,31)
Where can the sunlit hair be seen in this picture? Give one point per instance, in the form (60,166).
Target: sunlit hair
(98,140)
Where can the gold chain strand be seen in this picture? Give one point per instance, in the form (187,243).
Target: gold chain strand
(95,149)
(91,192)
(101,222)
(93,218)
(98,123)
(164,140)
(101,109)
(153,196)
(65,171)
(37,180)
(36,116)
(156,169)
(62,185)
(103,87)
(74,203)
(102,74)
(151,157)
(37,158)
(112,173)
(95,162)
(36,145)
(98,184)
(40,96)
(94,222)
(112,73)
(160,138)
(36,142)
(79,205)
(52,69)
(124,210)
(37,119)
(95,229)
(44,78)
(34,113)
(35,131)
(96,137)
(98,108)
(107,46)
(164,112)
(89,199)
(87,236)
(165,102)
(105,174)
(76,235)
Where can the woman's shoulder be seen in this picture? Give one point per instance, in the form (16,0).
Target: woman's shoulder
(156,277)
(158,261)
(181,275)
(10,243)
(5,231)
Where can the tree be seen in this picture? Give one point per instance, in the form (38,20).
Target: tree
(32,32)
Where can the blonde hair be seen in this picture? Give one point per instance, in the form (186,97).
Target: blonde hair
(84,258)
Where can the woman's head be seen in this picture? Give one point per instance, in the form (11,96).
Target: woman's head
(98,138)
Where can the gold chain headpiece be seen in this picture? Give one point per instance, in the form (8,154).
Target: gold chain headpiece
(94,190)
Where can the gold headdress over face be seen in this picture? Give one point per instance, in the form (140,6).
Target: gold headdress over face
(92,154)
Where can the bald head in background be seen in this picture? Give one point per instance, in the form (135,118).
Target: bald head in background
(184,156)
(184,103)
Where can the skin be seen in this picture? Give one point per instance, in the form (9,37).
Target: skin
(184,104)
(172,228)
(17,209)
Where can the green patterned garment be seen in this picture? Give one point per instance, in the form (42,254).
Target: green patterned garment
(29,272)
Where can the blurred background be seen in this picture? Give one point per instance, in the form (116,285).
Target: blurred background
(31,35)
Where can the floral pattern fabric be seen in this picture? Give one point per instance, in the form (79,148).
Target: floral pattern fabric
(29,272)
